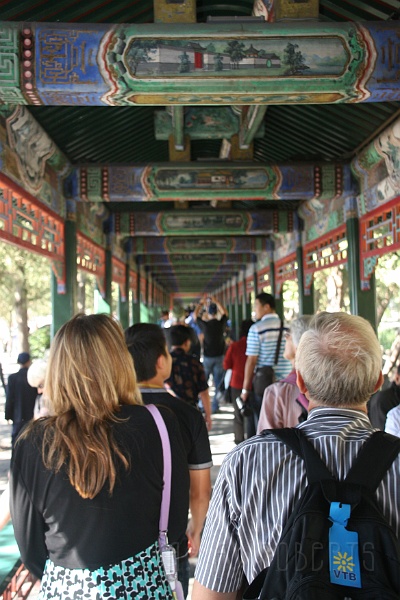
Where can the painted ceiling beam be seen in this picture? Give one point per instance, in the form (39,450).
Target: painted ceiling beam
(181,223)
(204,123)
(197,245)
(178,127)
(200,180)
(167,64)
(198,268)
(251,120)
(176,260)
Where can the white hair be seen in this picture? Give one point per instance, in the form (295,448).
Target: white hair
(37,372)
(339,359)
(298,327)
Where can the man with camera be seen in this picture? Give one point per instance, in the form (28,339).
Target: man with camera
(213,328)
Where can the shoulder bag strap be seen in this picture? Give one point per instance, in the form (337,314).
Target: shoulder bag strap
(278,343)
(166,496)
(373,460)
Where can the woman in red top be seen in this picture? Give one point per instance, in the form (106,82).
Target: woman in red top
(235,359)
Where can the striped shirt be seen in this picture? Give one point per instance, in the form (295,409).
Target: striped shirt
(261,342)
(258,485)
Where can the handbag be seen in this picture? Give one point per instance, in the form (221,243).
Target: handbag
(167,551)
(265,376)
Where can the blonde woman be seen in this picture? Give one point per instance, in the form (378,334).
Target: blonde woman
(86,482)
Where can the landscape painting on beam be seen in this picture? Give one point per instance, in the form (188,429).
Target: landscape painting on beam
(117,65)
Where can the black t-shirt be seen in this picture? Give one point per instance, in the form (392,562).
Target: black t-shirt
(52,520)
(214,341)
(192,426)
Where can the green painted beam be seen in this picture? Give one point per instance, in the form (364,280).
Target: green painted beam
(178,127)
(251,120)
(194,181)
(222,64)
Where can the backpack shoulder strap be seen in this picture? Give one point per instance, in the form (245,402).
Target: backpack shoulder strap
(373,460)
(278,343)
(297,441)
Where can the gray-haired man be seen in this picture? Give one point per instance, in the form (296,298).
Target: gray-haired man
(338,363)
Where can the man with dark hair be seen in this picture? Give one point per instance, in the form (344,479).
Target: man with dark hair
(382,402)
(187,379)
(262,341)
(21,397)
(213,328)
(152,361)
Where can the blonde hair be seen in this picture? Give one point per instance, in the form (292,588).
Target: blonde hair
(339,359)
(90,374)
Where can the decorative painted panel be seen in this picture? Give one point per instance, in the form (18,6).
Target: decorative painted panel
(284,244)
(256,63)
(91,258)
(26,223)
(30,158)
(378,166)
(285,270)
(202,123)
(328,251)
(10,65)
(90,218)
(249,285)
(325,211)
(263,279)
(183,181)
(196,245)
(379,235)
(188,259)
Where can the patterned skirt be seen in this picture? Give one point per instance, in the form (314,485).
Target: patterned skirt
(141,576)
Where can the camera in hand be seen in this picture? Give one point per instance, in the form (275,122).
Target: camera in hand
(244,408)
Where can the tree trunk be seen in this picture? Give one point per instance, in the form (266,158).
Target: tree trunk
(21,313)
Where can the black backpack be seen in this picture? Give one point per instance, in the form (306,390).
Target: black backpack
(302,568)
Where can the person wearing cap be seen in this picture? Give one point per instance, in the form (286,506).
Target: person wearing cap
(213,329)
(21,397)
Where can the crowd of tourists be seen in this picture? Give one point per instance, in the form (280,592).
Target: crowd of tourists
(110,486)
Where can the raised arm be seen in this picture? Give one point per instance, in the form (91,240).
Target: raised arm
(220,306)
(198,309)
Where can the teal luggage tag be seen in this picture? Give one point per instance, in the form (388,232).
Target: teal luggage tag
(344,561)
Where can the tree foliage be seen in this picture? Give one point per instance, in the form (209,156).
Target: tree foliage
(236,52)
(24,289)
(387,280)
(139,52)
(294,59)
